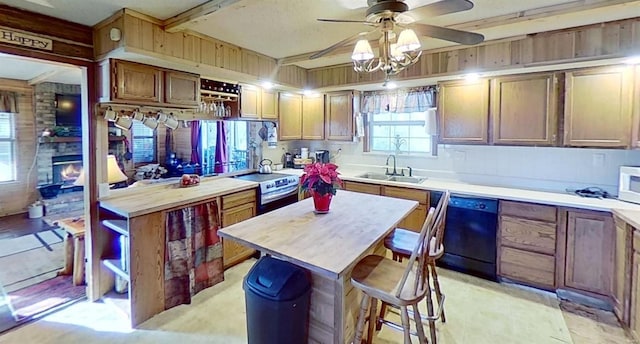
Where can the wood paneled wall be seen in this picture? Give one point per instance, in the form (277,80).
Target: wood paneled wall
(145,34)
(592,42)
(16,196)
(69,39)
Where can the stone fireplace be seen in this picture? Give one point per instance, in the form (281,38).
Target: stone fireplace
(66,169)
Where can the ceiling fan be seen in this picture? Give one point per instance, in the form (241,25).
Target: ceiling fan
(385,16)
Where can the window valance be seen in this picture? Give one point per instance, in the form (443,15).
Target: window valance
(407,100)
(8,102)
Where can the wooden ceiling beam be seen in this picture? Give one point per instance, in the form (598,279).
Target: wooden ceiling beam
(43,77)
(179,22)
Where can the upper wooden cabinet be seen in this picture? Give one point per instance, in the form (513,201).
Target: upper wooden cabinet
(290,116)
(250,102)
(597,108)
(589,261)
(523,110)
(269,102)
(257,103)
(339,119)
(463,109)
(635,130)
(313,117)
(135,83)
(182,88)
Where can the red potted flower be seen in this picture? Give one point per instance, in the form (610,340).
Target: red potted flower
(322,181)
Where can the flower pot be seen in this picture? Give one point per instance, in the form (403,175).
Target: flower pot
(321,202)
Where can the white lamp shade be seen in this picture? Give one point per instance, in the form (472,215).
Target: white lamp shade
(395,54)
(114,174)
(408,41)
(362,51)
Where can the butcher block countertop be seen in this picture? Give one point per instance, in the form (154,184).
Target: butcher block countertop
(136,201)
(328,244)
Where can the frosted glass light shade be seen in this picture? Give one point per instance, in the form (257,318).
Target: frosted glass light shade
(395,54)
(362,51)
(114,174)
(408,41)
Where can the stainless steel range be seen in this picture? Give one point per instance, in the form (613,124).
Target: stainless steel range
(276,190)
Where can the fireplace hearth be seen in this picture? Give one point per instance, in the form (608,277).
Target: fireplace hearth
(66,169)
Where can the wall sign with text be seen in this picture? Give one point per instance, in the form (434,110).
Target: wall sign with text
(19,38)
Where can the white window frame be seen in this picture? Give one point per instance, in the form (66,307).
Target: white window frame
(12,141)
(405,149)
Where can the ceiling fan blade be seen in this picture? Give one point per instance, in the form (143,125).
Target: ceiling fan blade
(343,42)
(458,36)
(347,21)
(442,7)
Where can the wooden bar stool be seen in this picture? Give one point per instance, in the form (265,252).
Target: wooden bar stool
(394,283)
(401,242)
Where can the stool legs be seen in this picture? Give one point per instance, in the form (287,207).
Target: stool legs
(364,304)
(436,284)
(78,261)
(419,328)
(372,320)
(432,323)
(68,256)
(404,315)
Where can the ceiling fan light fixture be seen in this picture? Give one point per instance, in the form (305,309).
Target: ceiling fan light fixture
(408,41)
(362,51)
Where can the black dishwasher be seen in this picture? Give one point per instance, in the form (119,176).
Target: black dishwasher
(470,235)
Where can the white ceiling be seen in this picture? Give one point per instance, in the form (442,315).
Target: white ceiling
(36,71)
(285,28)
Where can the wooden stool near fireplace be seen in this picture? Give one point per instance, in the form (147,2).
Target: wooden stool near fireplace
(74,249)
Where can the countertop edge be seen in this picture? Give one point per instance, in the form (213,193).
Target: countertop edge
(631,217)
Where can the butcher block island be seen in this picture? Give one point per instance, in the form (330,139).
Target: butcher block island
(328,246)
(150,233)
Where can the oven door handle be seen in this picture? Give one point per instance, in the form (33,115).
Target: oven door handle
(274,196)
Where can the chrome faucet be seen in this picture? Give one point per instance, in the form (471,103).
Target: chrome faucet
(395,172)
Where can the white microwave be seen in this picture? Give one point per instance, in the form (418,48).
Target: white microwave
(629,187)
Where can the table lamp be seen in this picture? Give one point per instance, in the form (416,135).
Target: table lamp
(114,174)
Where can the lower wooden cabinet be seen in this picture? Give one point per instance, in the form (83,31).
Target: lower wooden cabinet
(527,239)
(622,270)
(589,257)
(362,187)
(532,268)
(236,208)
(634,312)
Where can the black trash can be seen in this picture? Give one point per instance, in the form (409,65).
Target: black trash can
(277,295)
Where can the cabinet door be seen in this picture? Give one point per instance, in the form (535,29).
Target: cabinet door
(415,219)
(136,82)
(590,245)
(339,110)
(464,112)
(597,108)
(182,88)
(635,133)
(524,110)
(362,187)
(250,102)
(232,252)
(634,314)
(313,117)
(290,116)
(269,104)
(622,271)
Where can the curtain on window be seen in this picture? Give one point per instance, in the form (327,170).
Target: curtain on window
(409,100)
(196,142)
(8,102)
(193,256)
(221,159)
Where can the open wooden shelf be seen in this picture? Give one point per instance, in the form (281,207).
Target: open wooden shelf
(114,265)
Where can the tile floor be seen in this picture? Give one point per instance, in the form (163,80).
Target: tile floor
(478,311)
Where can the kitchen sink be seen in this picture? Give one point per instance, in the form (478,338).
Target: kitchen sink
(371,175)
(406,179)
(402,179)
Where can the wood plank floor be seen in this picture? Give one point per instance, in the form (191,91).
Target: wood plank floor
(13,226)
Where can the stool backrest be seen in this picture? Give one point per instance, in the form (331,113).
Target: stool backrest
(419,256)
(441,218)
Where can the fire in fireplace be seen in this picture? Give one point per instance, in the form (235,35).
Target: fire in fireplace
(66,169)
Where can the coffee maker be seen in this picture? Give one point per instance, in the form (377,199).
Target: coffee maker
(322,156)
